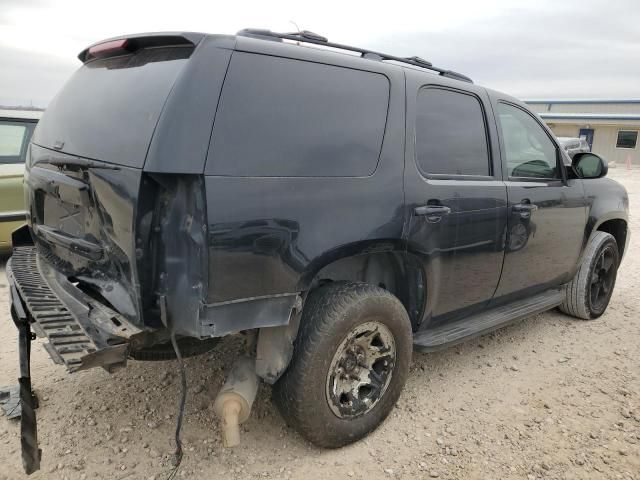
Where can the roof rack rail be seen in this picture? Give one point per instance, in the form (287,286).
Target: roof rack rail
(310,37)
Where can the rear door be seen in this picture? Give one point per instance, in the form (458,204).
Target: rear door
(547,212)
(455,196)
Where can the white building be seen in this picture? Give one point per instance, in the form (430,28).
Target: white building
(609,126)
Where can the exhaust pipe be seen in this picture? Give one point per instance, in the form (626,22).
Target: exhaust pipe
(234,401)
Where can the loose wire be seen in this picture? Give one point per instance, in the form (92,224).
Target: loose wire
(177,455)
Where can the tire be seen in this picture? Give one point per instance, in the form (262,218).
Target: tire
(342,317)
(579,300)
(189,347)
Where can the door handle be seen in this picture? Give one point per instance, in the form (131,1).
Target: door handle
(525,208)
(434,213)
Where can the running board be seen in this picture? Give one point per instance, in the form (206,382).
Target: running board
(450,334)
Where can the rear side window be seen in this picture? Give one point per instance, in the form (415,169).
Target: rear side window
(284,117)
(451,137)
(14,138)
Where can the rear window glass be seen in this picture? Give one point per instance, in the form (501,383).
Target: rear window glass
(14,139)
(283,117)
(109,108)
(451,138)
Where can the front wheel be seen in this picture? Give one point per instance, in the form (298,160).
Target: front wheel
(350,362)
(588,294)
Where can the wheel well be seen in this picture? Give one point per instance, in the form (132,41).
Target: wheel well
(618,228)
(392,271)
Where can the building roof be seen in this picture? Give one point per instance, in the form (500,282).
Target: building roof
(585,101)
(590,116)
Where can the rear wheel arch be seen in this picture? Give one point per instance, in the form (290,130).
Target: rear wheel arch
(391,270)
(395,271)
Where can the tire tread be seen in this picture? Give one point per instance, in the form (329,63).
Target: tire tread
(325,307)
(575,302)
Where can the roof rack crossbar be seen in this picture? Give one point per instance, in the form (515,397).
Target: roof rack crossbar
(310,37)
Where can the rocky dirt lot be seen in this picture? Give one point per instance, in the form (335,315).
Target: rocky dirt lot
(550,397)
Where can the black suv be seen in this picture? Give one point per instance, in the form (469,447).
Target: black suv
(339,207)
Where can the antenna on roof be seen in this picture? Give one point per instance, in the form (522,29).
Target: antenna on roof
(295,25)
(306,36)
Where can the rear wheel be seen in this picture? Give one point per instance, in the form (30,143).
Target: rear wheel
(350,363)
(589,293)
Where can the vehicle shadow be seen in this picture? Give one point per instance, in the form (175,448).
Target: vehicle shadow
(130,414)
(147,393)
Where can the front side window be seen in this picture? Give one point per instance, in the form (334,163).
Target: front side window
(627,139)
(14,138)
(450,134)
(528,150)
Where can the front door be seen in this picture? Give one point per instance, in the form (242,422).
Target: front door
(455,197)
(547,212)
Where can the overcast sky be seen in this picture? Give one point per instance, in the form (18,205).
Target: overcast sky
(530,49)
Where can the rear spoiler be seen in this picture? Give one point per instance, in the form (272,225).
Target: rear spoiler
(131,43)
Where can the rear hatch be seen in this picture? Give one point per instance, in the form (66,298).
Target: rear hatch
(84,171)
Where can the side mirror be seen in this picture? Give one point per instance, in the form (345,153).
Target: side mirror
(589,165)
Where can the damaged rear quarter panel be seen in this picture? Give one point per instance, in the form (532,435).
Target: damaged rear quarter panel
(178,249)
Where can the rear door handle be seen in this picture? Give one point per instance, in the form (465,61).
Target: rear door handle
(434,213)
(432,210)
(525,209)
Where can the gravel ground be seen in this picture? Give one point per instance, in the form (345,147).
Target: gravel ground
(550,397)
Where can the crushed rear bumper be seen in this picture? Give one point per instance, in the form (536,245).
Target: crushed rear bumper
(82,333)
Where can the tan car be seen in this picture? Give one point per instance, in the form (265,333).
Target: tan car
(16,128)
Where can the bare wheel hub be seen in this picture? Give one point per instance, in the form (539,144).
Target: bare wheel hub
(361,369)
